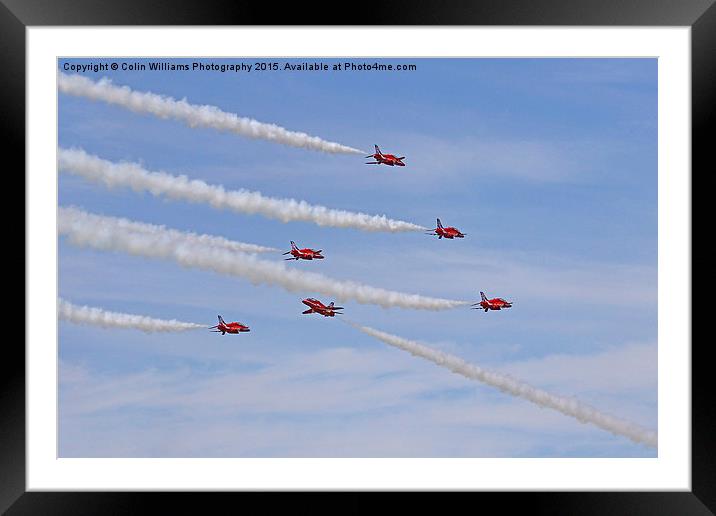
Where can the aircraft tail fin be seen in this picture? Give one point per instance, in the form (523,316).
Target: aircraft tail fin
(221,320)
(440,224)
(482,296)
(377,150)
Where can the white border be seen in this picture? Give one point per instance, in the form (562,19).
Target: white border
(670,471)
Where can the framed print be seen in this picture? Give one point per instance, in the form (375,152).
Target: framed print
(448,256)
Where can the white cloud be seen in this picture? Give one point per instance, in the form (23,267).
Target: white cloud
(615,370)
(331,402)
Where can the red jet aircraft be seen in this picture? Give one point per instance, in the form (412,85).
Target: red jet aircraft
(385,159)
(316,307)
(449,232)
(232,327)
(496,303)
(303,254)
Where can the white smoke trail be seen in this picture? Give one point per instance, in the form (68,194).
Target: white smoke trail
(193,115)
(71,216)
(99,317)
(107,233)
(567,406)
(132,175)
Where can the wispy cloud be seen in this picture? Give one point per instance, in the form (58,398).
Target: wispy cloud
(353,402)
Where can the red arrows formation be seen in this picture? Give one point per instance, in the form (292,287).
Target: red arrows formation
(317,307)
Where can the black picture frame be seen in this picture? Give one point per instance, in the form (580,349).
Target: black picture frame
(700,15)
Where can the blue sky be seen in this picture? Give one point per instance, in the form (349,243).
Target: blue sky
(549,166)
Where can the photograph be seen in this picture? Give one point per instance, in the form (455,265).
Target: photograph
(448,255)
(314,257)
